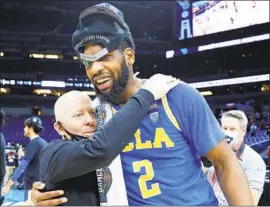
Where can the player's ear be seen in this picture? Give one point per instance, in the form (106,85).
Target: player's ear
(129,56)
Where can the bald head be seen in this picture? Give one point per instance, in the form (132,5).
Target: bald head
(67,102)
(75,113)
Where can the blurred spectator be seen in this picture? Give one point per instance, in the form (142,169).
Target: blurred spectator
(253,129)
(11,161)
(29,165)
(234,124)
(2,153)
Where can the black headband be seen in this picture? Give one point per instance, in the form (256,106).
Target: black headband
(101,24)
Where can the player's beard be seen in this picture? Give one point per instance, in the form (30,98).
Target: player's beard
(118,88)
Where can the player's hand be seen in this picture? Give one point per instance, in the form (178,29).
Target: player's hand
(46,199)
(5,190)
(160,84)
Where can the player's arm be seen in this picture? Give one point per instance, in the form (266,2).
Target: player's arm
(231,177)
(73,159)
(204,132)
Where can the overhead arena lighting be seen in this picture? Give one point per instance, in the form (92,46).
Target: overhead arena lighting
(75,58)
(170,54)
(58,84)
(90,93)
(204,84)
(206,93)
(54,57)
(42,56)
(4,90)
(1,54)
(234,42)
(38,56)
(42,91)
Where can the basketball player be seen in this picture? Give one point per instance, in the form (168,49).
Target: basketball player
(234,124)
(29,165)
(161,164)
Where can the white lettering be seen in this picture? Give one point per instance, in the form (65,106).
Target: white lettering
(100,180)
(94,37)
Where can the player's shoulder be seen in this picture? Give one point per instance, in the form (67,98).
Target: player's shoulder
(183,89)
(41,139)
(181,86)
(184,92)
(40,142)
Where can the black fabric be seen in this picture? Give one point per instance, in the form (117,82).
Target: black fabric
(73,137)
(240,151)
(80,189)
(1,198)
(34,121)
(206,162)
(100,25)
(70,165)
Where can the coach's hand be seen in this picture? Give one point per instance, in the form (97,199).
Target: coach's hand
(160,84)
(50,198)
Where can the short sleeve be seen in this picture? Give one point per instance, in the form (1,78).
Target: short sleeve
(195,117)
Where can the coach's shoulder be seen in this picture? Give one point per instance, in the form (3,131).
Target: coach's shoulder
(53,145)
(56,142)
(50,153)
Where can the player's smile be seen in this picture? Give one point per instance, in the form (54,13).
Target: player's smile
(103,82)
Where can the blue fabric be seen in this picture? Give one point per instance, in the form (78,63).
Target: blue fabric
(162,164)
(20,170)
(29,165)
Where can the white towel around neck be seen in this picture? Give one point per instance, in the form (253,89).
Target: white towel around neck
(111,183)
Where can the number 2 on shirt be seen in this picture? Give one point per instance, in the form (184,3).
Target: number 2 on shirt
(149,175)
